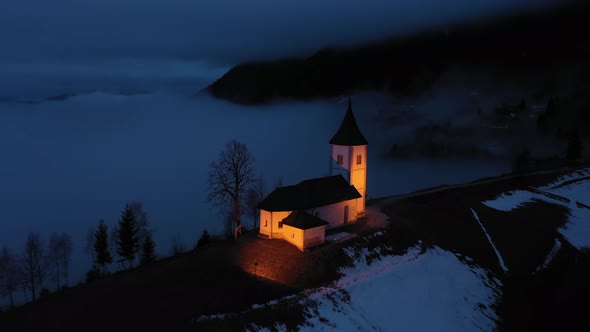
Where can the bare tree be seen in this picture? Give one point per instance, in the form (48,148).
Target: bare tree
(60,251)
(254,195)
(279,182)
(228,179)
(66,246)
(34,263)
(113,247)
(54,257)
(22,280)
(89,248)
(176,246)
(9,274)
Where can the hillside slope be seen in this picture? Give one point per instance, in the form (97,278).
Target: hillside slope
(477,258)
(532,233)
(424,289)
(507,254)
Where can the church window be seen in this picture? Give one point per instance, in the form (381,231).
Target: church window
(359,159)
(266,223)
(280,224)
(340,159)
(317,214)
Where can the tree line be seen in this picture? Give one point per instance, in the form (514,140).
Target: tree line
(38,262)
(556,121)
(32,269)
(232,187)
(130,240)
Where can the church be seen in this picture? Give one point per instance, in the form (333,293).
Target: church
(301,213)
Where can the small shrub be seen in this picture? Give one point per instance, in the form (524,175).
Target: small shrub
(93,274)
(44,293)
(204,239)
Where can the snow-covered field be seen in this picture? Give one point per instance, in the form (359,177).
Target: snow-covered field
(417,292)
(571,190)
(429,290)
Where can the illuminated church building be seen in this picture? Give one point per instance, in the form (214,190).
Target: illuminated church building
(301,213)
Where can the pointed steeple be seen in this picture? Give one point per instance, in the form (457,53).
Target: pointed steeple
(349,133)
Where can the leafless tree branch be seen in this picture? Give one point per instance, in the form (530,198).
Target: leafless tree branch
(230,177)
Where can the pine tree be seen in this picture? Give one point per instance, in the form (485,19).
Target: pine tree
(148,249)
(127,236)
(102,253)
(204,239)
(574,147)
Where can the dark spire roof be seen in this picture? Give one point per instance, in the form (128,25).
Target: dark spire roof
(349,133)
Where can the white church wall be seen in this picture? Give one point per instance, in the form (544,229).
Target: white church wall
(269,223)
(294,236)
(334,213)
(343,168)
(314,236)
(277,217)
(359,174)
(265,222)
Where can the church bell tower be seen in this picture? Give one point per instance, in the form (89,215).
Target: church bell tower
(348,156)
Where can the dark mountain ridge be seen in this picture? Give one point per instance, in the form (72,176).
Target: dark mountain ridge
(536,45)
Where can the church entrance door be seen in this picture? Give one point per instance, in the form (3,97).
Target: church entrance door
(346,214)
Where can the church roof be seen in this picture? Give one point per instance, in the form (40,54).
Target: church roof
(303,220)
(310,194)
(349,133)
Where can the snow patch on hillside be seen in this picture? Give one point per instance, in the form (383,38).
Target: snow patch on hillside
(416,291)
(510,200)
(552,253)
(573,176)
(421,290)
(500,259)
(574,187)
(576,191)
